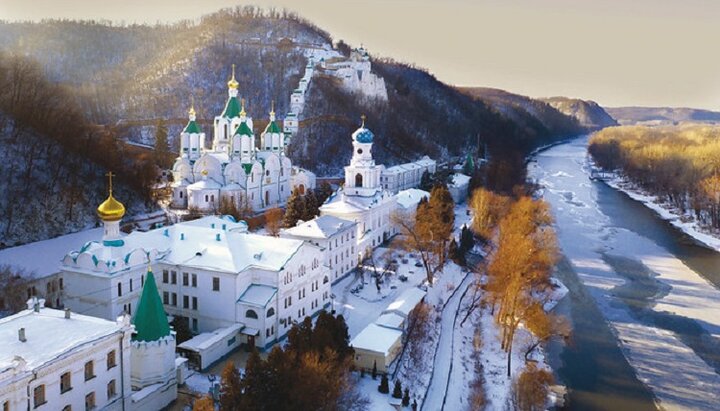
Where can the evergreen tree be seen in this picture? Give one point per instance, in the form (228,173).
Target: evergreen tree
(162,149)
(253,382)
(406,398)
(230,388)
(295,209)
(323,192)
(469,166)
(467,240)
(455,253)
(312,208)
(426,181)
(414,405)
(374,371)
(384,386)
(397,390)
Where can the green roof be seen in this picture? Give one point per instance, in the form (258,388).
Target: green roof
(150,321)
(272,128)
(192,127)
(243,129)
(232,108)
(247,167)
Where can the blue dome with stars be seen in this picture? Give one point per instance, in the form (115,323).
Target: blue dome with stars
(363,135)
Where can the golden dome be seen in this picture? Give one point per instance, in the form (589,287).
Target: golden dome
(233,84)
(110,209)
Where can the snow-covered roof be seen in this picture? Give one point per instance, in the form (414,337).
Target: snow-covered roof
(343,204)
(211,242)
(205,184)
(324,227)
(459,180)
(43,258)
(391,320)
(49,335)
(406,302)
(257,294)
(206,340)
(377,338)
(410,197)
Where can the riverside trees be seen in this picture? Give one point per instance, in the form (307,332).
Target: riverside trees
(680,165)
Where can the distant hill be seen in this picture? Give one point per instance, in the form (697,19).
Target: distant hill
(587,112)
(523,110)
(662,115)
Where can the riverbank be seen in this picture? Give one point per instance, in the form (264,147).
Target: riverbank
(685,222)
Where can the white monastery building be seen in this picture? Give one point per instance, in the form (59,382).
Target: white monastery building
(337,239)
(215,275)
(237,167)
(405,176)
(357,76)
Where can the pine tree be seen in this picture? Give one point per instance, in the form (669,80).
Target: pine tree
(426,181)
(467,240)
(230,388)
(384,386)
(162,149)
(406,398)
(455,253)
(312,208)
(469,166)
(374,370)
(295,209)
(414,405)
(323,192)
(397,390)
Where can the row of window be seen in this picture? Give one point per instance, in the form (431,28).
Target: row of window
(66,384)
(130,285)
(188,279)
(171,299)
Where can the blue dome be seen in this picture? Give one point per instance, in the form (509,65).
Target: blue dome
(363,135)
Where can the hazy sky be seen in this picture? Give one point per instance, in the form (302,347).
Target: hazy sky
(617,52)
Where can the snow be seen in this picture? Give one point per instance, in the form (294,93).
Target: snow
(377,338)
(322,227)
(673,370)
(460,180)
(49,335)
(28,256)
(257,294)
(411,197)
(206,340)
(406,302)
(146,391)
(390,320)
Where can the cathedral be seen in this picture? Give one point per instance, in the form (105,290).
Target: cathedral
(238,168)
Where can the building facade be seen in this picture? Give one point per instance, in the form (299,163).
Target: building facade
(238,167)
(408,175)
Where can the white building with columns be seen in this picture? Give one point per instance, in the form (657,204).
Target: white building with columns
(238,167)
(363,199)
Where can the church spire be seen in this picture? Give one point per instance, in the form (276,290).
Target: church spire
(150,321)
(110,209)
(233,84)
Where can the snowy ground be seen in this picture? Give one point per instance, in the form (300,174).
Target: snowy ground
(673,370)
(685,222)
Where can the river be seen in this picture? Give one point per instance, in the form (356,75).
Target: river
(643,303)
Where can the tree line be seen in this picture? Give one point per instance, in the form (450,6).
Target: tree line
(678,164)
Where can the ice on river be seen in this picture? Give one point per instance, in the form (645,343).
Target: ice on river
(677,375)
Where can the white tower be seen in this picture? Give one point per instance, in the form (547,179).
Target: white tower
(272,138)
(192,139)
(362,176)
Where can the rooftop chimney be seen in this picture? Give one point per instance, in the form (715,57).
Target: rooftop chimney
(67,313)
(21,335)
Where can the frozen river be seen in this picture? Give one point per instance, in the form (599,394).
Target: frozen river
(644,299)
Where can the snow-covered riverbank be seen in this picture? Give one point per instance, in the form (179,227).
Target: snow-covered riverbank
(685,222)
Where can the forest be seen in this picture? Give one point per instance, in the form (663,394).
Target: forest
(678,164)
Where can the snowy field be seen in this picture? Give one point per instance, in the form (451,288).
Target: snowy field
(610,260)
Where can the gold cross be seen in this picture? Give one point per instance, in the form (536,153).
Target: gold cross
(109,175)
(362,117)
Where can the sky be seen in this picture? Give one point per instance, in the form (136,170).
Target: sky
(616,52)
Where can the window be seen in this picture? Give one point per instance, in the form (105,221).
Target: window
(90,401)
(270,312)
(165,276)
(186,279)
(65,382)
(111,363)
(89,370)
(194,303)
(142,281)
(174,300)
(111,389)
(194,324)
(39,396)
(194,280)
(119,289)
(173,277)
(131,285)
(62,287)
(216,284)
(166,298)
(251,314)
(186,301)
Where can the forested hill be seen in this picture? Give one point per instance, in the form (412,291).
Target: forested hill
(128,74)
(587,112)
(662,115)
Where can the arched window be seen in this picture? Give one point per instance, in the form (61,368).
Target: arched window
(270,312)
(325,280)
(358,180)
(181,194)
(251,314)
